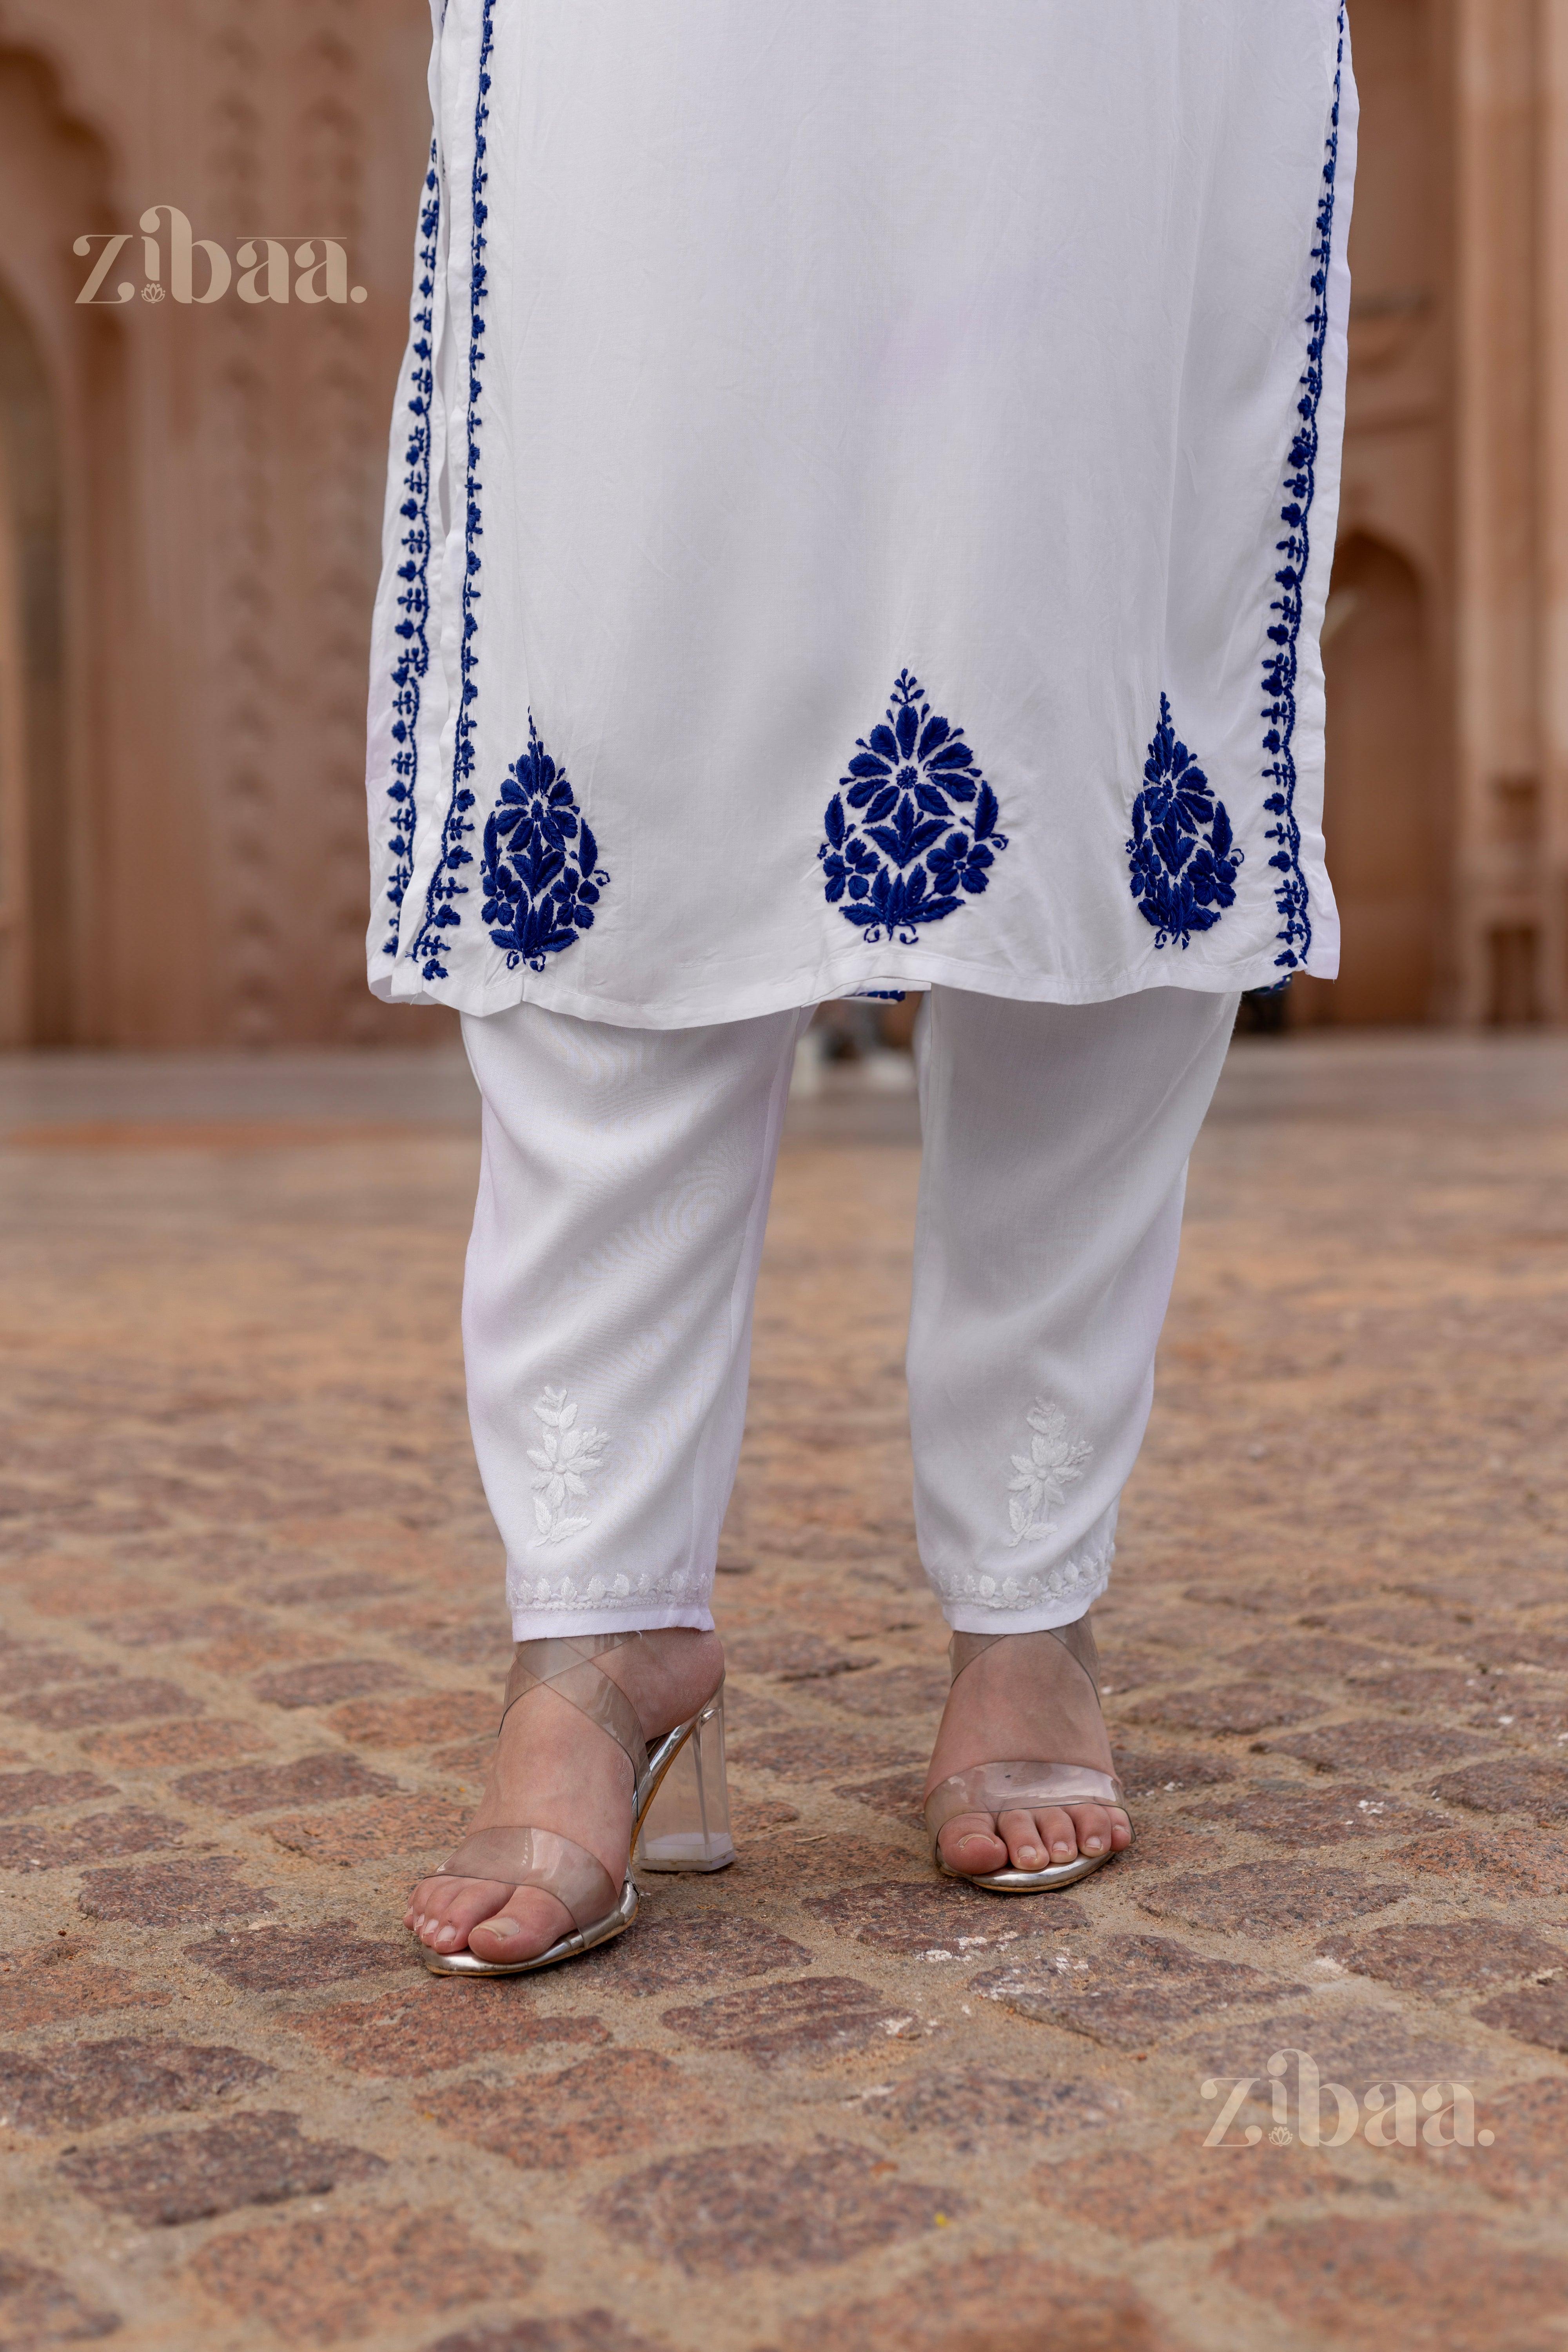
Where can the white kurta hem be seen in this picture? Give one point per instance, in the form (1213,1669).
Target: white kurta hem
(862,498)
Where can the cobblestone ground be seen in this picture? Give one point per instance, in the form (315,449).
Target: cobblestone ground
(252,1643)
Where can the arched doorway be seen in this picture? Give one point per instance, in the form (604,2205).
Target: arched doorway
(1382,815)
(35,978)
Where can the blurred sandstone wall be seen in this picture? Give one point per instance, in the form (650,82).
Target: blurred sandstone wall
(191,511)
(1446,645)
(190,499)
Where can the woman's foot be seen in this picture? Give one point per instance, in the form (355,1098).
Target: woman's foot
(554,1770)
(1023,1698)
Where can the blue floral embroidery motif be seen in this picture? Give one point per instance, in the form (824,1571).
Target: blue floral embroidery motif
(1281,668)
(413,597)
(441,913)
(899,853)
(541,871)
(1182,852)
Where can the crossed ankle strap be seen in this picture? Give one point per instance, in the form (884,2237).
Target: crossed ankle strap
(1077,1640)
(566,1666)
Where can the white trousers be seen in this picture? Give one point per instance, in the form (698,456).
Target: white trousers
(608,1305)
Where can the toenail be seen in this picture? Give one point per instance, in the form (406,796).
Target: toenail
(505,1928)
(1092,1845)
(1028,1853)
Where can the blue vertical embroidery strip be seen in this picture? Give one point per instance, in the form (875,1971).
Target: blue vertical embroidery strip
(1281,667)
(441,912)
(912,829)
(413,628)
(1183,852)
(541,869)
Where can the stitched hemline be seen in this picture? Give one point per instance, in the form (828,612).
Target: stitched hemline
(563,1623)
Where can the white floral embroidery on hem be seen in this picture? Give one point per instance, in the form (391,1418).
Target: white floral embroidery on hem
(1084,1574)
(598,1592)
(564,1460)
(1041,1478)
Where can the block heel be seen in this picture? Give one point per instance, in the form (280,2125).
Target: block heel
(686,1824)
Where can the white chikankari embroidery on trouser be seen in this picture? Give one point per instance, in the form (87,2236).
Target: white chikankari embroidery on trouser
(565,1593)
(1080,1578)
(1041,1478)
(563,1461)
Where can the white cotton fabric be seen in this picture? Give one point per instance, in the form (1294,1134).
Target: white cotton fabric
(765,356)
(607,1302)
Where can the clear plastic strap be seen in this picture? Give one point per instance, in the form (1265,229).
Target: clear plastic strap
(1077,1640)
(542,1858)
(566,1666)
(1018,1789)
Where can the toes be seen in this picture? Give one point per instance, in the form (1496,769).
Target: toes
(1019,1841)
(1099,1830)
(430,1901)
(1025,1846)
(494,1921)
(1092,1823)
(522,1928)
(1057,1834)
(453,1907)
(970,1844)
(427,1905)
(434,1909)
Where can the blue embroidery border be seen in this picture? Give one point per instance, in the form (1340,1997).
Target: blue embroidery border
(1281,667)
(413,601)
(440,914)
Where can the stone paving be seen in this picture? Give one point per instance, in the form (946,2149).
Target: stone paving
(252,1641)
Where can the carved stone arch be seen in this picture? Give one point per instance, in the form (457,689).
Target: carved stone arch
(1385,812)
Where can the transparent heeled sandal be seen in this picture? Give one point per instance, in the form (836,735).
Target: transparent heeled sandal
(680,1810)
(1024,1788)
